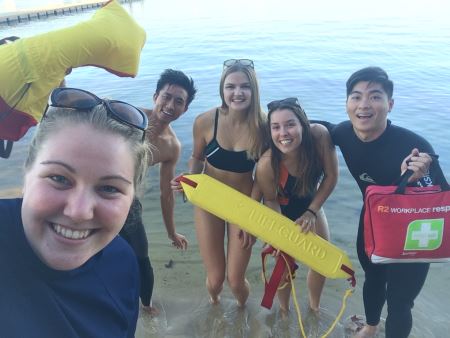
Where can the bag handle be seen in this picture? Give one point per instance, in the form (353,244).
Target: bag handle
(408,173)
(5,148)
(404,181)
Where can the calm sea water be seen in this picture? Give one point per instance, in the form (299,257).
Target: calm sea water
(305,55)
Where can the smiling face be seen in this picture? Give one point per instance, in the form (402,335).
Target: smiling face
(77,195)
(237,92)
(285,130)
(170,103)
(367,107)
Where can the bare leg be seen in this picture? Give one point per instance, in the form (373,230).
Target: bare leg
(315,283)
(284,294)
(151,310)
(210,236)
(238,259)
(214,292)
(315,280)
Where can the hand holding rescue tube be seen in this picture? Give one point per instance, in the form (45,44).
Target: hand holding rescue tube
(268,225)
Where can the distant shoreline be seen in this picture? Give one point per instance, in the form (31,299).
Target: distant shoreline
(25,15)
(11,192)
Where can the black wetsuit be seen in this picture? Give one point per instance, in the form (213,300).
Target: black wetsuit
(133,232)
(378,162)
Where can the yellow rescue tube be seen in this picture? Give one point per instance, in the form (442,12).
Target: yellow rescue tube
(267,224)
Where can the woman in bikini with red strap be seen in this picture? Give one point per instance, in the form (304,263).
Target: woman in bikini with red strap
(295,176)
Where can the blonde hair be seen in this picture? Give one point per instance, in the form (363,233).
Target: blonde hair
(97,117)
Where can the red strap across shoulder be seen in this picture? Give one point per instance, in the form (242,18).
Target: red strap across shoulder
(284,175)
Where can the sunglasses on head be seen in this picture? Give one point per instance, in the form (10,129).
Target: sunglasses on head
(243,62)
(290,101)
(80,99)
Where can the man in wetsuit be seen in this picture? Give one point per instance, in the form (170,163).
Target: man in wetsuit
(174,92)
(377,152)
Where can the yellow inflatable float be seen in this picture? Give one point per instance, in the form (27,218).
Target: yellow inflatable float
(268,225)
(31,67)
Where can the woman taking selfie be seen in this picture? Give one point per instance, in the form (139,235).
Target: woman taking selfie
(65,272)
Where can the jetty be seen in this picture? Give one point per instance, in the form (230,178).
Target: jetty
(37,13)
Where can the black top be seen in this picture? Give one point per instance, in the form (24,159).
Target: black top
(291,205)
(378,162)
(218,157)
(98,299)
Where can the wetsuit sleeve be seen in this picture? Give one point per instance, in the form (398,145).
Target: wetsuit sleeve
(331,129)
(327,124)
(436,173)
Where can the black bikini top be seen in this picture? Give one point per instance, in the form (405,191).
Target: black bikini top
(218,157)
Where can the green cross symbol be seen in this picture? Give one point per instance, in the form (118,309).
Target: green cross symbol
(424,234)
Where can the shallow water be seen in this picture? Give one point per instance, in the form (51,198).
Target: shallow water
(185,312)
(306,56)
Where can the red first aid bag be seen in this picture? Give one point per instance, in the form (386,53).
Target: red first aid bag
(407,224)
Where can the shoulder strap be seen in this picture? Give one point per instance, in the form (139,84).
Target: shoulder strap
(284,175)
(408,173)
(5,148)
(216,122)
(284,262)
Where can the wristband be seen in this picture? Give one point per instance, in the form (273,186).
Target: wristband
(312,212)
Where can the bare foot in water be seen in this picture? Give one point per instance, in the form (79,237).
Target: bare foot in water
(214,300)
(284,313)
(315,311)
(152,311)
(367,331)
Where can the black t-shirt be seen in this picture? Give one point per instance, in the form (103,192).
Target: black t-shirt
(378,162)
(98,299)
